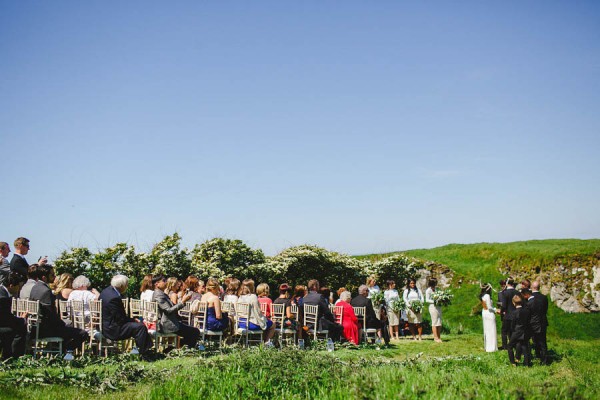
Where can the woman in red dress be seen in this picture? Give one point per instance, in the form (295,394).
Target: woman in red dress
(349,320)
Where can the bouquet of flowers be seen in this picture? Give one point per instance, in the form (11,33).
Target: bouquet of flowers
(442,297)
(416,306)
(377,299)
(397,304)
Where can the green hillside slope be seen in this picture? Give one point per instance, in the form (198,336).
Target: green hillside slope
(480,262)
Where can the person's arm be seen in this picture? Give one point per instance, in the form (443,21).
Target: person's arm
(217,304)
(405,296)
(428,296)
(165,307)
(173,297)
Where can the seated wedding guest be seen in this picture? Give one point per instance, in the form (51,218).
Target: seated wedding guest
(262,291)
(232,290)
(257,319)
(18,263)
(324,315)
(146,288)
(363,301)
(182,291)
(413,293)
(520,332)
(349,319)
(50,324)
(116,325)
(193,285)
(31,281)
(539,323)
(64,286)
(299,293)
(172,289)
(284,298)
(4,263)
(327,295)
(13,330)
(81,292)
(168,314)
(216,320)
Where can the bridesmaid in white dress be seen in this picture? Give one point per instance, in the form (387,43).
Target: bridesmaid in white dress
(488,314)
(412,292)
(434,310)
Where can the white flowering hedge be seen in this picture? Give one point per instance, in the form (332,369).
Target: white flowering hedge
(220,258)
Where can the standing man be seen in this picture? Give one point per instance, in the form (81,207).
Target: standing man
(506,311)
(4,264)
(539,325)
(18,263)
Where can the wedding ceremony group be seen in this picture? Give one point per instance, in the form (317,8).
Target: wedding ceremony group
(59,313)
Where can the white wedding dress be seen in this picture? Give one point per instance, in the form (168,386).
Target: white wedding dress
(490,337)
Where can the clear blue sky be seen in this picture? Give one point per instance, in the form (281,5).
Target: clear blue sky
(356,126)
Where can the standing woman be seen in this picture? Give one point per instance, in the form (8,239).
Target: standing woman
(412,293)
(488,315)
(372,286)
(434,311)
(391,295)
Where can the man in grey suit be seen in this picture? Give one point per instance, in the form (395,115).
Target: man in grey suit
(32,279)
(4,263)
(168,313)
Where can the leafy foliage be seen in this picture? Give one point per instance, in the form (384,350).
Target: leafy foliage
(220,257)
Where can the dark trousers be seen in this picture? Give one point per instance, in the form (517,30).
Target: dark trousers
(335,330)
(506,332)
(189,335)
(522,347)
(540,346)
(73,338)
(13,337)
(139,332)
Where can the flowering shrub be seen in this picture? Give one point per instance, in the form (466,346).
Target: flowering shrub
(398,267)
(220,257)
(377,299)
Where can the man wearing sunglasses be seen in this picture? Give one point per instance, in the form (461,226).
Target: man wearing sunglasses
(18,263)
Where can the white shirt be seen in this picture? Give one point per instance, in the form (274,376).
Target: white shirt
(83,295)
(147,295)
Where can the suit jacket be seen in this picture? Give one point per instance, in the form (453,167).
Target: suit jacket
(168,312)
(4,271)
(19,264)
(113,313)
(371,318)
(539,311)
(50,322)
(7,318)
(520,319)
(507,304)
(315,299)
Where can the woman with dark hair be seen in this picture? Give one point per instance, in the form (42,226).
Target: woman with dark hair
(413,294)
(488,314)
(434,310)
(193,285)
(391,295)
(146,289)
(299,293)
(326,293)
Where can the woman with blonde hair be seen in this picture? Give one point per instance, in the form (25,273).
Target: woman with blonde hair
(262,292)
(257,319)
(372,286)
(64,286)
(215,319)
(172,289)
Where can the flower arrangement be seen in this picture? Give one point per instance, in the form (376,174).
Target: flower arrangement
(416,306)
(442,297)
(377,299)
(397,304)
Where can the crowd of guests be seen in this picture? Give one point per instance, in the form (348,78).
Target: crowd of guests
(39,282)
(523,312)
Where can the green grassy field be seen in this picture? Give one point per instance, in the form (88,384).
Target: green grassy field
(457,368)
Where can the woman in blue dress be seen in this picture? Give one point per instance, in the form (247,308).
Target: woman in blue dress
(215,319)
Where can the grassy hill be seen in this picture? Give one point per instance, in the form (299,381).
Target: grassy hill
(481,261)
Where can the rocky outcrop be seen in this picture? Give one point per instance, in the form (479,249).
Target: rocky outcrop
(441,272)
(573,283)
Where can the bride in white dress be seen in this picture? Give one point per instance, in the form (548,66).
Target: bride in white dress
(488,314)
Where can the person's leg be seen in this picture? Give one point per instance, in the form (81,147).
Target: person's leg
(526,353)
(138,331)
(420,330)
(20,340)
(73,338)
(189,335)
(505,333)
(413,330)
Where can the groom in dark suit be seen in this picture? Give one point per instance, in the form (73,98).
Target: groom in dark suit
(116,325)
(539,322)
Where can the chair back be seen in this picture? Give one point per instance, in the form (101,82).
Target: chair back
(185,312)
(278,315)
(64,311)
(227,307)
(199,316)
(21,306)
(32,308)
(266,309)
(13,306)
(294,311)
(96,315)
(311,316)
(78,313)
(338,313)
(150,311)
(135,308)
(126,305)
(360,314)
(242,314)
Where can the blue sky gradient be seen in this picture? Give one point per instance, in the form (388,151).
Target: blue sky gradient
(360,127)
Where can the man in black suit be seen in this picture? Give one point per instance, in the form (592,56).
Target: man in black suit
(363,301)
(4,263)
(539,323)
(325,316)
(13,331)
(18,263)
(506,311)
(169,313)
(50,324)
(520,332)
(116,325)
